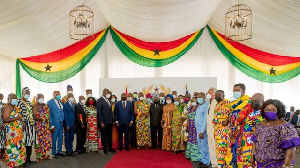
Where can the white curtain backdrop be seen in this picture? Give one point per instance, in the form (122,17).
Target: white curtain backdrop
(203,60)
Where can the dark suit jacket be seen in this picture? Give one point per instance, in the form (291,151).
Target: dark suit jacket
(294,120)
(79,110)
(69,115)
(104,112)
(123,116)
(156,114)
(287,116)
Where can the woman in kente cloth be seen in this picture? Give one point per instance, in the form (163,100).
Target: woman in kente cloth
(15,153)
(92,143)
(192,150)
(142,112)
(167,123)
(42,124)
(275,140)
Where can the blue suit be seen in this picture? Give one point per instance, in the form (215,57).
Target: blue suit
(56,121)
(201,121)
(69,114)
(123,116)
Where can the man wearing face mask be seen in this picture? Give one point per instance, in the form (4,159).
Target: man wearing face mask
(29,133)
(177,121)
(201,127)
(65,98)
(236,107)
(89,93)
(69,122)
(56,123)
(14,155)
(174,94)
(162,98)
(156,111)
(123,120)
(81,125)
(105,121)
(210,98)
(132,129)
(221,112)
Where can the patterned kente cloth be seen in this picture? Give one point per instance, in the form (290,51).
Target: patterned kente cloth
(15,152)
(184,131)
(44,142)
(25,107)
(193,150)
(91,143)
(143,135)
(272,142)
(167,126)
(221,112)
(177,121)
(235,126)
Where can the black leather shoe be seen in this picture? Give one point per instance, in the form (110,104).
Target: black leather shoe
(70,154)
(60,154)
(127,149)
(105,151)
(120,149)
(112,150)
(55,156)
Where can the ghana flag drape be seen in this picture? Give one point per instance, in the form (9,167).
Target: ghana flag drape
(257,64)
(62,64)
(153,54)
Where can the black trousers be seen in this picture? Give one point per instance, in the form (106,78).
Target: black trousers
(156,135)
(28,153)
(81,138)
(123,129)
(132,136)
(106,137)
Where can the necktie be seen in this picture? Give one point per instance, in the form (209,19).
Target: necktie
(59,105)
(124,106)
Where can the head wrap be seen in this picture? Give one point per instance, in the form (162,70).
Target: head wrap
(169,95)
(148,96)
(69,87)
(25,89)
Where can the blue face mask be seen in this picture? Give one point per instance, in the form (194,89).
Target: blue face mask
(237,94)
(27,96)
(14,102)
(58,97)
(176,103)
(200,100)
(149,100)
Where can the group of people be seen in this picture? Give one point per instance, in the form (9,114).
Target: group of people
(207,128)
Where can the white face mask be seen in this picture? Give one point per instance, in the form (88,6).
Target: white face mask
(113,100)
(82,101)
(141,98)
(41,100)
(169,101)
(69,92)
(89,95)
(194,104)
(208,97)
(107,96)
(71,99)
(161,98)
(181,100)
(130,99)
(174,96)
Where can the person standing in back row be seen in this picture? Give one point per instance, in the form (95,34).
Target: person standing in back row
(105,121)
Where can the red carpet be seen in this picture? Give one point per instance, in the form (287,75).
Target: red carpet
(148,159)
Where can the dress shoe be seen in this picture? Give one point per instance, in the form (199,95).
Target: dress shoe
(70,154)
(112,150)
(55,156)
(120,149)
(105,151)
(60,154)
(127,149)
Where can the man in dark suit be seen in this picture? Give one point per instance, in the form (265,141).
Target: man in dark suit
(289,115)
(124,120)
(105,121)
(81,125)
(69,122)
(156,111)
(132,129)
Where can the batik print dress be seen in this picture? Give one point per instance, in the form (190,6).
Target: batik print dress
(143,134)
(177,122)
(44,141)
(167,126)
(91,143)
(30,137)
(193,150)
(220,131)
(15,153)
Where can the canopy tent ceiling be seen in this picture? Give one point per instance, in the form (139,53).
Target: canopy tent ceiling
(34,27)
